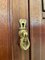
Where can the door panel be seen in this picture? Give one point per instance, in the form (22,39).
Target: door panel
(37,31)
(5,49)
(36,27)
(20,11)
(10,13)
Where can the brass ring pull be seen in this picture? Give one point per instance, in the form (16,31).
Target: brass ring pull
(23,34)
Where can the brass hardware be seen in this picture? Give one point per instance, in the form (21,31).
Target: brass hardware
(23,33)
(22,23)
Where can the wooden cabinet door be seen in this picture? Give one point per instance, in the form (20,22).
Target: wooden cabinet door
(37,30)
(10,13)
(20,11)
(5,34)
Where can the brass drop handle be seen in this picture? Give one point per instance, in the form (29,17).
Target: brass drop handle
(23,34)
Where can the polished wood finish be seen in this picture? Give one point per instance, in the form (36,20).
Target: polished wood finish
(20,11)
(10,13)
(37,31)
(5,42)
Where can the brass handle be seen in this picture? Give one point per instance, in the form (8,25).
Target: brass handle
(23,33)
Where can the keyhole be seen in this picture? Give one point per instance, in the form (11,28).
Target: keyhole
(23,24)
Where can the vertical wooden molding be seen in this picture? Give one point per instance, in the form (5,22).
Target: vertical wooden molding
(29,28)
(35,22)
(20,10)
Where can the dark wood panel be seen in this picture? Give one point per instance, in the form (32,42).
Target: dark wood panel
(5,48)
(20,10)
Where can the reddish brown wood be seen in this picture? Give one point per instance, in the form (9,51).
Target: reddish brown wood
(20,10)
(5,47)
(38,41)
(9,28)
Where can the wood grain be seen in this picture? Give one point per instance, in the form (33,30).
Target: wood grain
(36,27)
(5,49)
(20,10)
(10,13)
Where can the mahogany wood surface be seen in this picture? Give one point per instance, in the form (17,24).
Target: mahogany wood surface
(10,13)
(20,11)
(5,40)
